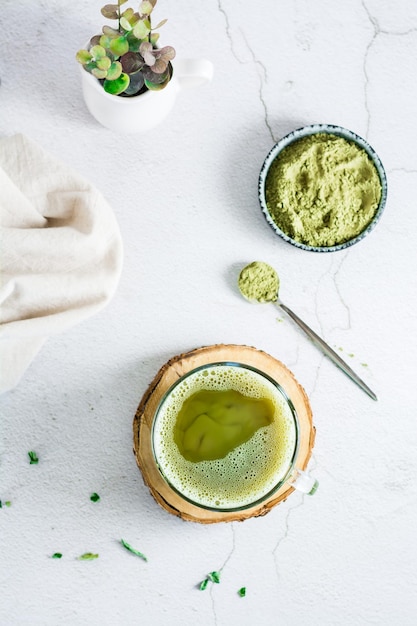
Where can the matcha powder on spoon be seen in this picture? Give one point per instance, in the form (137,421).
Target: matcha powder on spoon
(259,281)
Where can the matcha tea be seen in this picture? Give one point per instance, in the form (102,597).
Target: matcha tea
(224,437)
(213,423)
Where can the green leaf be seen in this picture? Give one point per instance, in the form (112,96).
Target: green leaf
(104,63)
(110,11)
(161,23)
(110,32)
(203,584)
(98,73)
(145,7)
(214,577)
(142,29)
(125,24)
(87,556)
(119,46)
(114,71)
(119,85)
(94,497)
(105,41)
(242,592)
(134,42)
(90,66)
(33,458)
(56,555)
(128,14)
(132,550)
(97,52)
(83,56)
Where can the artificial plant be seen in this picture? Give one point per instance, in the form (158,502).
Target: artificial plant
(126,59)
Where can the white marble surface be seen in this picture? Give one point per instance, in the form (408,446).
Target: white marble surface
(185,196)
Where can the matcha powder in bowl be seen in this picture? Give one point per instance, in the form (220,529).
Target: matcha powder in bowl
(322,188)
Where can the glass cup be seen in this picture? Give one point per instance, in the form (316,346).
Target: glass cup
(250,473)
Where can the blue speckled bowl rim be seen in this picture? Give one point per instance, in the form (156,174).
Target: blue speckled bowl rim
(305,131)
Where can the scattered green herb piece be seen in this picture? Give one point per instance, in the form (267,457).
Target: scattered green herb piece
(133,550)
(364,364)
(94,497)
(351,355)
(7,503)
(88,556)
(56,555)
(33,458)
(214,577)
(242,592)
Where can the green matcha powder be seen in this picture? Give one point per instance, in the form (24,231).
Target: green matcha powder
(259,282)
(322,190)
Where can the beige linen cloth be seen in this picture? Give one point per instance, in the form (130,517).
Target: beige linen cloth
(60,252)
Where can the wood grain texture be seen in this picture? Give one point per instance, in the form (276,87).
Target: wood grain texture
(166,377)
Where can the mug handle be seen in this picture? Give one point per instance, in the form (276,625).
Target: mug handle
(302,481)
(193,72)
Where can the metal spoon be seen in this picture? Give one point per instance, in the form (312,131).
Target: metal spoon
(259,282)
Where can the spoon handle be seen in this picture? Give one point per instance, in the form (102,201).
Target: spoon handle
(328,351)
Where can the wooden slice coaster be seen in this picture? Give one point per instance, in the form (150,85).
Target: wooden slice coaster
(166,377)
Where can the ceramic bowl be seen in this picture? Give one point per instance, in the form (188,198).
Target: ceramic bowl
(312,130)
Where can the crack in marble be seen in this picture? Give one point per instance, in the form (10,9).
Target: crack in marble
(228,33)
(285,534)
(312,466)
(262,81)
(402,170)
(377,31)
(263,77)
(227,559)
(316,379)
(375,34)
(334,275)
(338,291)
(232,526)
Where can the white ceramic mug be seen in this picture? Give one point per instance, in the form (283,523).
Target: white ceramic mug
(141,113)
